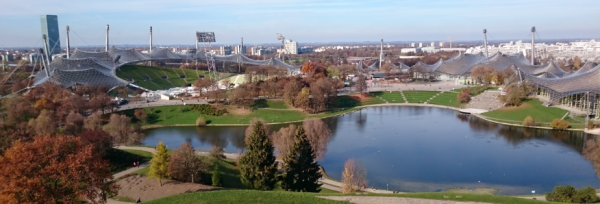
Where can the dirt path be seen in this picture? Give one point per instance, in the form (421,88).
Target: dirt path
(390,200)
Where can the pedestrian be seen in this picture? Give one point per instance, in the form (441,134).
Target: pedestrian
(138,164)
(133,164)
(139,200)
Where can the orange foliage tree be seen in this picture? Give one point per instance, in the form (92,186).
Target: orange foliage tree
(53,169)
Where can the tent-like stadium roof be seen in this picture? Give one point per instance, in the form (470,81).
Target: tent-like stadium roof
(572,84)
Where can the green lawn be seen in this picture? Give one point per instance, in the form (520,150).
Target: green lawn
(138,72)
(244,196)
(419,96)
(349,101)
(121,160)
(391,97)
(446,99)
(531,107)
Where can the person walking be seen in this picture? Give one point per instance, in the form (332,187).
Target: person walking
(139,200)
(133,164)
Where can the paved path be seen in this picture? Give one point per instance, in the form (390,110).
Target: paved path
(390,200)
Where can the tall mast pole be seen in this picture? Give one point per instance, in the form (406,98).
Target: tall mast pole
(242,53)
(106,48)
(150,38)
(46,52)
(68,46)
(381,53)
(533,45)
(487,54)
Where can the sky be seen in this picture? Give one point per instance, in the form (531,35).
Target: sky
(175,22)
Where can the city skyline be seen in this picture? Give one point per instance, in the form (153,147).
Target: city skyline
(175,23)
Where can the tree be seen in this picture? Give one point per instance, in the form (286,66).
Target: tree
(140,114)
(217,178)
(204,85)
(159,165)
(464,96)
(319,135)
(360,85)
(53,169)
(290,91)
(93,122)
(101,141)
(45,123)
(74,124)
(528,121)
(303,99)
(217,152)
(257,165)
(185,165)
(283,140)
(300,170)
(354,176)
(559,124)
(100,102)
(118,127)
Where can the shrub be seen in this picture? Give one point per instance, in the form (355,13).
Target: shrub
(183,109)
(464,96)
(207,109)
(200,121)
(528,122)
(217,152)
(559,124)
(591,124)
(568,194)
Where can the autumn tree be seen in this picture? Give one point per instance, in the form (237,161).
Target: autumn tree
(354,175)
(18,110)
(204,85)
(45,123)
(360,85)
(283,140)
(74,123)
(100,102)
(301,173)
(140,114)
(302,100)
(319,135)
(159,165)
(290,91)
(93,122)
(257,165)
(464,96)
(324,94)
(184,164)
(101,141)
(53,169)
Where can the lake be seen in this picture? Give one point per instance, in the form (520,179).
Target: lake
(429,149)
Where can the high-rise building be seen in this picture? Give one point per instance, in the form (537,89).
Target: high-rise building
(50,29)
(290,47)
(226,50)
(237,49)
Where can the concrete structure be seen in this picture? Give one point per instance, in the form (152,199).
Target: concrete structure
(290,47)
(50,29)
(412,49)
(237,49)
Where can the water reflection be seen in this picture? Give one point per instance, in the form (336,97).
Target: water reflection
(431,149)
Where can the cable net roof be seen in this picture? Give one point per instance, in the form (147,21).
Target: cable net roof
(98,68)
(460,64)
(572,84)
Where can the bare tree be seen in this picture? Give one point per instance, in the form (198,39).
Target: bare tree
(360,175)
(74,123)
(290,91)
(361,84)
(354,176)
(283,140)
(118,127)
(319,135)
(185,165)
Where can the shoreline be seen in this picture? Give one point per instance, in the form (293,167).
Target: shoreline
(358,108)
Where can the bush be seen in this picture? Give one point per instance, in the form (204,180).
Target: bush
(464,96)
(568,194)
(474,91)
(591,124)
(528,122)
(208,109)
(183,109)
(200,121)
(559,124)
(217,152)
(217,179)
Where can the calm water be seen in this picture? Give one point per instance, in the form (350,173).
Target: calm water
(430,149)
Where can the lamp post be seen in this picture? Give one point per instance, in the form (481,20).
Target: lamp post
(387,188)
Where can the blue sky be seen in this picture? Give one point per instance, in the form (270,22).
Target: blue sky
(175,21)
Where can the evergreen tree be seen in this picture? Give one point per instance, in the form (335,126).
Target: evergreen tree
(257,165)
(159,165)
(300,170)
(217,179)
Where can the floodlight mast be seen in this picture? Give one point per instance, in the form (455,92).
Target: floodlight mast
(381,53)
(282,40)
(533,45)
(150,40)
(68,46)
(207,38)
(485,43)
(106,48)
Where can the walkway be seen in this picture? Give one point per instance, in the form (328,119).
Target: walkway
(488,100)
(390,200)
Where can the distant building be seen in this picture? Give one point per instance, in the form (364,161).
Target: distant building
(420,44)
(237,49)
(290,47)
(305,49)
(430,49)
(260,51)
(50,29)
(35,57)
(226,50)
(412,49)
